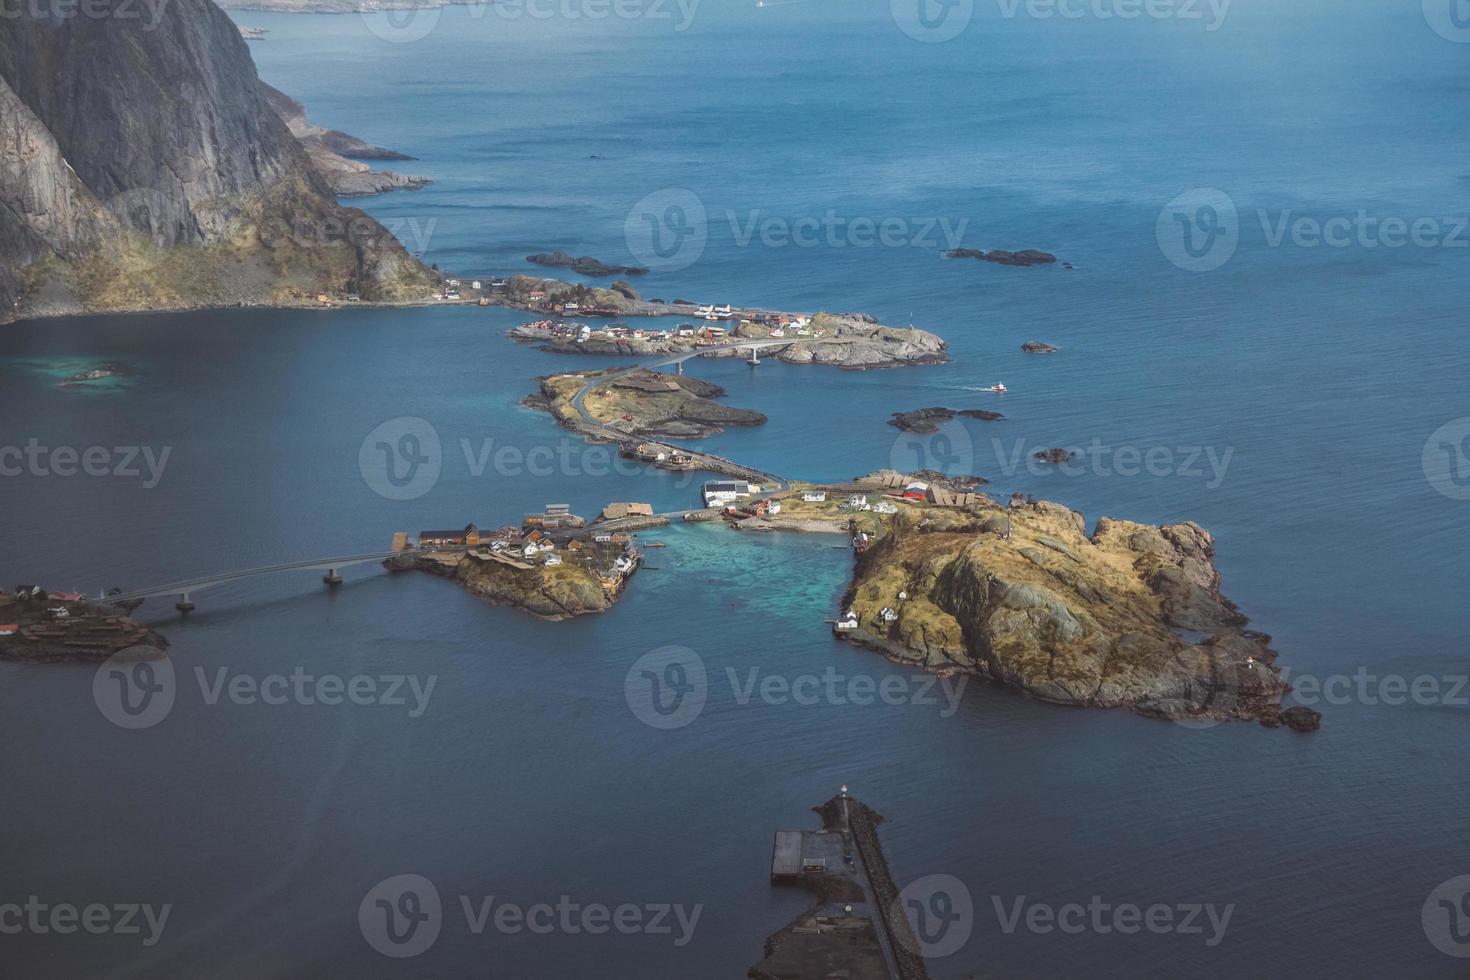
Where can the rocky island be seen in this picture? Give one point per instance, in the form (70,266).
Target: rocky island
(1025,257)
(586,265)
(45,627)
(850,341)
(927,420)
(640,404)
(1038,347)
(1128,616)
(550,574)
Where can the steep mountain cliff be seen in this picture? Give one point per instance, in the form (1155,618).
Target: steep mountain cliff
(142,166)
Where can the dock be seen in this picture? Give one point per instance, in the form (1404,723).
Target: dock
(856,929)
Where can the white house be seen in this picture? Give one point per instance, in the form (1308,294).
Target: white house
(553,559)
(773,507)
(885,507)
(849,621)
(814,496)
(530,550)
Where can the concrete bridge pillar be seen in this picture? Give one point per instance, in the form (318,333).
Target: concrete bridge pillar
(754,356)
(332,578)
(184,605)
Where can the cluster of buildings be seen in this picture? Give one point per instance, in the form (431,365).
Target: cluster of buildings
(612,555)
(721,493)
(667,457)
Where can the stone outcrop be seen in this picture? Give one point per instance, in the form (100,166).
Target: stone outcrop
(141,166)
(1130,616)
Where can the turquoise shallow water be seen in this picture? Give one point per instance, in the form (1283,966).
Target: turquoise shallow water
(1319,373)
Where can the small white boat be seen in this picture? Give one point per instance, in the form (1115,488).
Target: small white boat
(999,389)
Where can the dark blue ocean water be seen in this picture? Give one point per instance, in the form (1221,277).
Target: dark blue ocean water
(1314,375)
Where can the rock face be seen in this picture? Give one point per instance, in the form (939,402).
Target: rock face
(1025,597)
(142,166)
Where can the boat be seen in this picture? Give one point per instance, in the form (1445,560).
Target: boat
(999,389)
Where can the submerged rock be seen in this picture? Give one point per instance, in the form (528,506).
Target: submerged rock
(1057,455)
(1037,347)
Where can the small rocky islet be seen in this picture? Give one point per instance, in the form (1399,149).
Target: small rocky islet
(924,421)
(584,265)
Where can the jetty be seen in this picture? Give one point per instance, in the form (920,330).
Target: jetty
(857,928)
